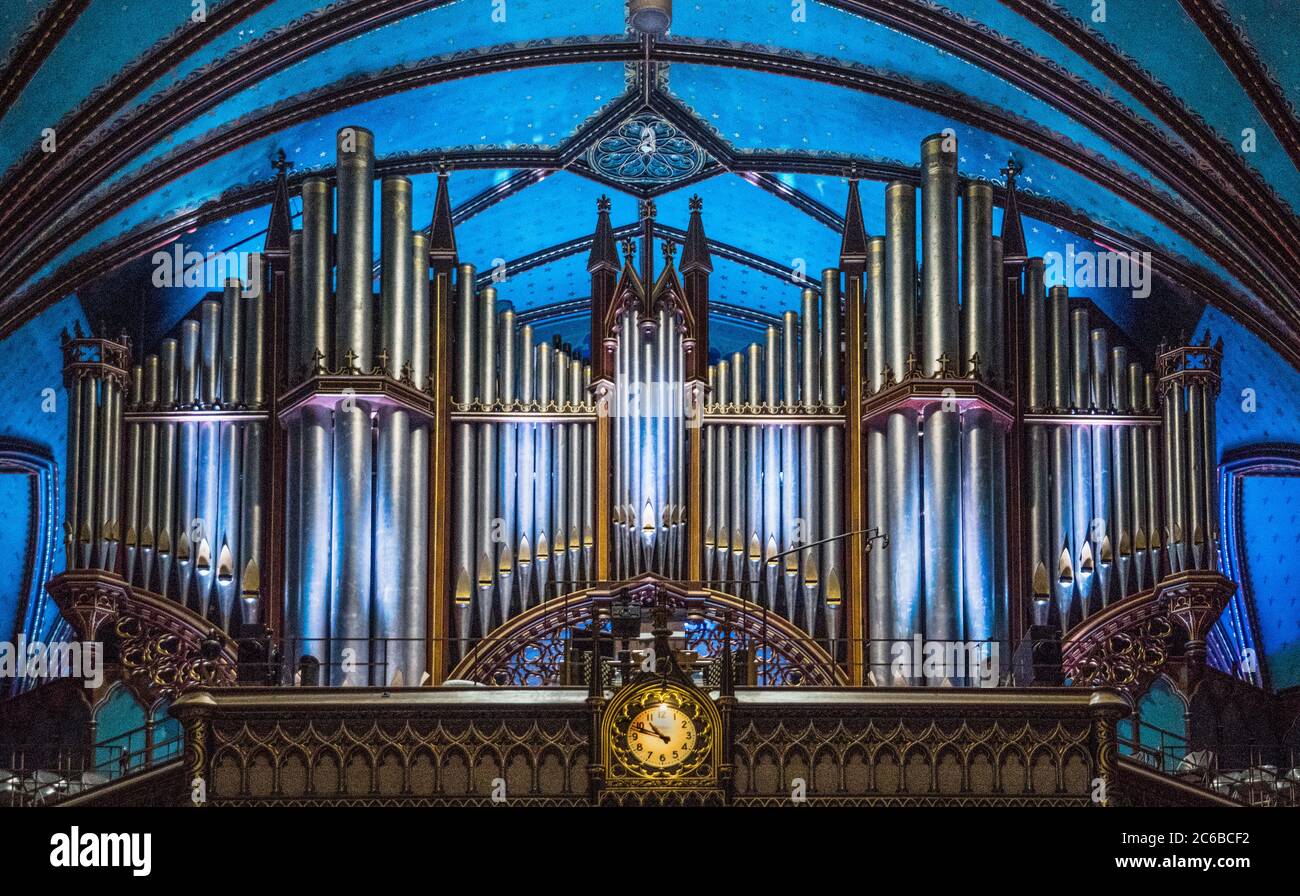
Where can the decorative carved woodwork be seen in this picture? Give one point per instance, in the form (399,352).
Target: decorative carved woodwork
(160,643)
(528,650)
(463,746)
(1130,642)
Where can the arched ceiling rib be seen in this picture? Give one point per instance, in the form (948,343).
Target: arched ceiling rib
(1054,87)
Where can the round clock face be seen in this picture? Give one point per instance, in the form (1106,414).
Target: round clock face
(662,736)
(662,733)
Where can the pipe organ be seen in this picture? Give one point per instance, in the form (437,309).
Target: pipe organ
(523,455)
(358,427)
(930,442)
(773,446)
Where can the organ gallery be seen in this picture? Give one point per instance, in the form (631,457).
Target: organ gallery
(778,426)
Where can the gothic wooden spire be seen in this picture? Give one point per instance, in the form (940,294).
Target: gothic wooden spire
(442,236)
(604,251)
(1013,232)
(853,247)
(280,224)
(695,253)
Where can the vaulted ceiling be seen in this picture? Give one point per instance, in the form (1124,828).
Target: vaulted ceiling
(1166,126)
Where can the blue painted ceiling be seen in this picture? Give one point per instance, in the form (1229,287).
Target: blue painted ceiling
(219,202)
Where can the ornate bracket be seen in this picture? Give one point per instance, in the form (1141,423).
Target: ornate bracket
(164,649)
(1128,644)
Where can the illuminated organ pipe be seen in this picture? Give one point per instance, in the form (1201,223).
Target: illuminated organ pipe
(1189,382)
(356,568)
(523,461)
(979,523)
(879,601)
(935,464)
(941,425)
(1095,467)
(97,376)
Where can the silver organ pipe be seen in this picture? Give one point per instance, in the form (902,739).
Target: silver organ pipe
(415,601)
(99,380)
(1097,465)
(877,329)
(809,480)
(980,432)
(941,498)
(393,445)
(1103,546)
(1042,554)
(902,462)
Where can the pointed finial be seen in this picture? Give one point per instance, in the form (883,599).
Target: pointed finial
(648,210)
(603,204)
(853,246)
(442,233)
(695,251)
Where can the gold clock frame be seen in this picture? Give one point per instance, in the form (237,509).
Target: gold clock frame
(702,773)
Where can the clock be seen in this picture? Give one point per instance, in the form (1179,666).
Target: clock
(661,731)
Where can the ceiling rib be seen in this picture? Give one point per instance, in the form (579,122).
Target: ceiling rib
(1245,65)
(35,47)
(1232,255)
(1231,180)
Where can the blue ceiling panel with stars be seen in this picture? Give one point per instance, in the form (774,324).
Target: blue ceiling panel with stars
(1271,533)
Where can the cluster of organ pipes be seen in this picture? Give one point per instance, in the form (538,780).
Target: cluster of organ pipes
(936,465)
(356,534)
(196,448)
(523,448)
(95,376)
(736,474)
(773,467)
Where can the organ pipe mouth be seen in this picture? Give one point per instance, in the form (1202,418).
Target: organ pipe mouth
(462,588)
(204,562)
(252,583)
(183,549)
(834,591)
(1065,571)
(810,577)
(225,565)
(1085,559)
(1040,585)
(164,543)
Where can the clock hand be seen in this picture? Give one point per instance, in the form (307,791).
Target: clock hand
(656,732)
